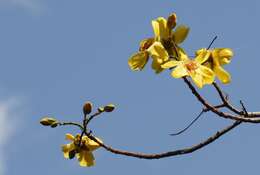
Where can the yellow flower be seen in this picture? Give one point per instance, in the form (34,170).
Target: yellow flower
(82,151)
(218,58)
(162,33)
(200,74)
(138,60)
(170,39)
(159,55)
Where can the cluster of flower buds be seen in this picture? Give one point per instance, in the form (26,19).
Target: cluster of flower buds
(87,108)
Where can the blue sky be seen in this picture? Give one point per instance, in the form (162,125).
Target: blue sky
(55,55)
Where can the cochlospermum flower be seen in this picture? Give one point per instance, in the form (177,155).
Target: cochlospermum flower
(83,151)
(218,58)
(163,30)
(164,34)
(159,55)
(200,74)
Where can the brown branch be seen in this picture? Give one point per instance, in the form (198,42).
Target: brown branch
(169,153)
(225,101)
(204,110)
(248,118)
(217,107)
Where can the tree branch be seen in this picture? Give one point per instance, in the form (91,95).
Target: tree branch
(225,101)
(248,118)
(169,153)
(71,123)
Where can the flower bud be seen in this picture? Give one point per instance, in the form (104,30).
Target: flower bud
(54,125)
(47,121)
(87,108)
(109,108)
(101,109)
(172,21)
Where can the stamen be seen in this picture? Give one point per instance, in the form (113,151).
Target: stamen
(191,66)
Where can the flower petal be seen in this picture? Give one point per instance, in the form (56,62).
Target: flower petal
(92,145)
(226,52)
(182,54)
(86,159)
(225,55)
(170,64)
(156,30)
(180,33)
(138,60)
(69,137)
(66,149)
(203,55)
(197,78)
(156,66)
(224,61)
(160,28)
(208,74)
(157,51)
(145,44)
(199,51)
(179,71)
(222,75)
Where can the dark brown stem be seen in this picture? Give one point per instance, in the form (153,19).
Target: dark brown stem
(225,101)
(170,153)
(92,117)
(84,128)
(71,124)
(249,118)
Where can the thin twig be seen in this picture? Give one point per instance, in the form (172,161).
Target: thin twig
(187,127)
(194,120)
(212,42)
(217,107)
(92,117)
(71,123)
(244,108)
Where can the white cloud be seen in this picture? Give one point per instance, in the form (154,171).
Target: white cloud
(8,123)
(34,6)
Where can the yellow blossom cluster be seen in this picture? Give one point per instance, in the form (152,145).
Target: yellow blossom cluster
(82,148)
(165,51)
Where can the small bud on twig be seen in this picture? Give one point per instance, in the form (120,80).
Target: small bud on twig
(172,21)
(101,109)
(47,121)
(54,125)
(87,108)
(109,108)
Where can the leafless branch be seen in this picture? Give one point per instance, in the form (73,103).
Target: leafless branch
(252,117)
(169,153)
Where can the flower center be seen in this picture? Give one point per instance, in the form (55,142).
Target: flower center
(191,66)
